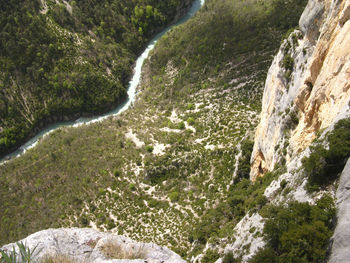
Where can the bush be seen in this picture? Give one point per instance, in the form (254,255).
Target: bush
(299,232)
(210,256)
(132,187)
(181,125)
(288,62)
(190,106)
(174,196)
(244,162)
(323,165)
(190,121)
(228,258)
(266,255)
(292,121)
(283,183)
(149,148)
(84,221)
(116,172)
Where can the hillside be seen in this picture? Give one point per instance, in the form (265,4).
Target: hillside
(65,59)
(235,149)
(200,101)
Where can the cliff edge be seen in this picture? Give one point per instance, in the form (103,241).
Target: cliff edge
(307,87)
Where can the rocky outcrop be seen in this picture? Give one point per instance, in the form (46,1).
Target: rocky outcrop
(308,85)
(245,237)
(340,252)
(89,245)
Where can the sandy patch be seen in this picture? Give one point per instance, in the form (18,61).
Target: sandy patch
(189,127)
(174,117)
(131,136)
(45,8)
(166,129)
(210,147)
(159,148)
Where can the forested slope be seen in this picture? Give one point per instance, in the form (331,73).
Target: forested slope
(63,59)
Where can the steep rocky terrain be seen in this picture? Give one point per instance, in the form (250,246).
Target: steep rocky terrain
(306,94)
(307,89)
(175,168)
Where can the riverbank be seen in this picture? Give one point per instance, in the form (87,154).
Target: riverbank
(46,126)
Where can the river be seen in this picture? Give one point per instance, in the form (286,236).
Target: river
(120,108)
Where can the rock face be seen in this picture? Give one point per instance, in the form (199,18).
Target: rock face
(89,245)
(340,252)
(308,85)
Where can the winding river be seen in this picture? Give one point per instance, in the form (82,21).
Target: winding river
(122,107)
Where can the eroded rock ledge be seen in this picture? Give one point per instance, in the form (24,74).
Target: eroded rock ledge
(89,245)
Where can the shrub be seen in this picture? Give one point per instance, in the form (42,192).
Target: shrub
(210,256)
(190,121)
(174,196)
(116,172)
(110,224)
(266,255)
(149,148)
(283,183)
(323,165)
(228,258)
(288,229)
(288,62)
(190,106)
(84,221)
(293,120)
(132,187)
(244,161)
(181,125)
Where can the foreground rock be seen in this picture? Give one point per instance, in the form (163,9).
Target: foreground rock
(89,245)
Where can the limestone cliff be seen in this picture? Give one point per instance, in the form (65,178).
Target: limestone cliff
(308,85)
(341,237)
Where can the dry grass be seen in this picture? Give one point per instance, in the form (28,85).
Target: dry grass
(113,250)
(59,258)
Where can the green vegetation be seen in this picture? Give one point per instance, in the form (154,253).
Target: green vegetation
(288,62)
(297,233)
(242,197)
(24,254)
(210,256)
(72,60)
(228,258)
(266,255)
(149,148)
(325,163)
(244,161)
(211,71)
